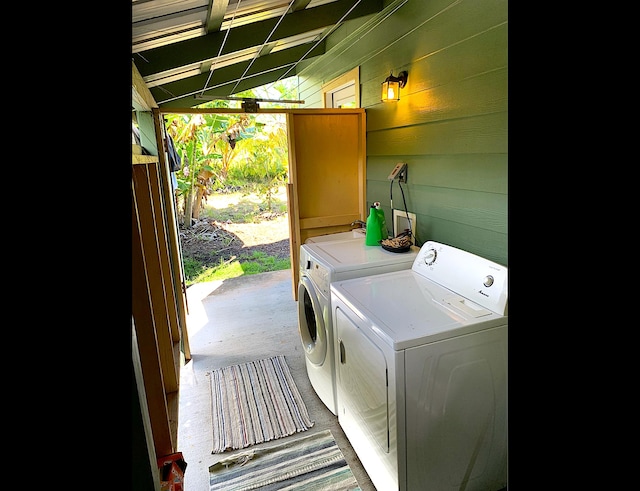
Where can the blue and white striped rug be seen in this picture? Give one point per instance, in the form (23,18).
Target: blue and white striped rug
(309,463)
(255,402)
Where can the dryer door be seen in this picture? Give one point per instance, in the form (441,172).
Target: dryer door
(361,368)
(311,323)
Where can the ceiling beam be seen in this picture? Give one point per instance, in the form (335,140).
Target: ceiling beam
(197,50)
(265,69)
(215,15)
(141,98)
(299,5)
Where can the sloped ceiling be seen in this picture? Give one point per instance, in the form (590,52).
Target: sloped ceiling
(189,48)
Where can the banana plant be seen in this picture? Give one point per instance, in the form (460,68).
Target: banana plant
(207,145)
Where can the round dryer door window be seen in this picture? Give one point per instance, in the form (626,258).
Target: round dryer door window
(311,322)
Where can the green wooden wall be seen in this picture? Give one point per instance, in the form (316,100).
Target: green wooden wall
(451,123)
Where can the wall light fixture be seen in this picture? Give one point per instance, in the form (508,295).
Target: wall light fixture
(392,85)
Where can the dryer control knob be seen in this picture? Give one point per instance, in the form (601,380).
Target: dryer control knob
(488,281)
(430,257)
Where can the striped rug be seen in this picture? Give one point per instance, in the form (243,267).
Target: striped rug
(309,463)
(255,402)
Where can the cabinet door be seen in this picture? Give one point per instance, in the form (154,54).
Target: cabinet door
(327,175)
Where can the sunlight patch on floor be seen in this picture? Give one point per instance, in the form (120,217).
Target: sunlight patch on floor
(197,316)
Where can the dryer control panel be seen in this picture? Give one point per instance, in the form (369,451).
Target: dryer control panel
(473,277)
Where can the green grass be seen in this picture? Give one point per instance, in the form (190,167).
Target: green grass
(245,207)
(256,263)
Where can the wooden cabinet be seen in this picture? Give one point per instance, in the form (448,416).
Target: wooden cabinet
(327,174)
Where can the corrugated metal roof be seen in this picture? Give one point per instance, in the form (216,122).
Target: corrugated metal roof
(184,48)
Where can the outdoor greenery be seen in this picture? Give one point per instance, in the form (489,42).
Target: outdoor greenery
(246,152)
(258,262)
(246,208)
(237,207)
(237,150)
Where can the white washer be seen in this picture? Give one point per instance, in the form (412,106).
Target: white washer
(421,367)
(320,264)
(356,233)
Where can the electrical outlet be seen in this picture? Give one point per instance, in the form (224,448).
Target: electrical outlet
(402,175)
(402,221)
(397,170)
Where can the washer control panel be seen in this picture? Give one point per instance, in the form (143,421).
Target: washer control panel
(475,278)
(320,276)
(317,272)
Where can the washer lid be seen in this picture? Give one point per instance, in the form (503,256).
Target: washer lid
(355,234)
(354,254)
(407,310)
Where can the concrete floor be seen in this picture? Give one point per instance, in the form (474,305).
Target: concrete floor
(237,321)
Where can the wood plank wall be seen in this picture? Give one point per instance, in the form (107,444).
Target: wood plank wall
(451,123)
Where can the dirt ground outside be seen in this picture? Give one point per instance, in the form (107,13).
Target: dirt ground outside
(217,238)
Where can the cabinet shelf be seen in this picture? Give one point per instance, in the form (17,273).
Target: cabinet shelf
(144,159)
(138,158)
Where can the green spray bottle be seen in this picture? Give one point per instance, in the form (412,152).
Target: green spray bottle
(372,234)
(384,234)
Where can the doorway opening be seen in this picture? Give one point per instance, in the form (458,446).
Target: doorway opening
(230,192)
(326,143)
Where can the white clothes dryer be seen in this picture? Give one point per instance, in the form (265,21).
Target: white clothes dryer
(421,372)
(320,264)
